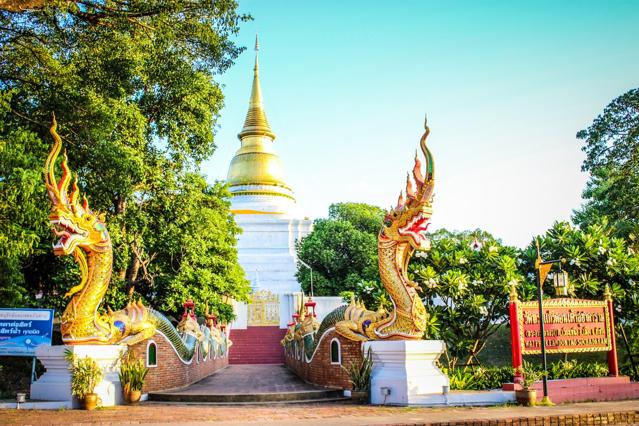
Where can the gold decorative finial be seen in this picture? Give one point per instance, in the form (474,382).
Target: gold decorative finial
(256,123)
(514,297)
(607,293)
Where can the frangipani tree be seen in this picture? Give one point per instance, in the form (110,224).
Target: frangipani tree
(594,258)
(465,280)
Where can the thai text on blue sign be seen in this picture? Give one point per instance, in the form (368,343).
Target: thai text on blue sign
(22,330)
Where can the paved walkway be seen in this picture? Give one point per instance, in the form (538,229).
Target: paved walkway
(309,415)
(247,383)
(249,378)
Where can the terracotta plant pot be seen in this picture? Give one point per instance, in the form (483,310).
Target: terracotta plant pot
(133,396)
(360,397)
(90,401)
(526,397)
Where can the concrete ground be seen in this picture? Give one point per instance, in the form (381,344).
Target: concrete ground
(248,383)
(313,414)
(249,379)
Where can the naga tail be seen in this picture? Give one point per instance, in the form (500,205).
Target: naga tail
(329,321)
(184,346)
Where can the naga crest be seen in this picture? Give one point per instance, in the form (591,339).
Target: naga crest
(72,221)
(409,220)
(80,230)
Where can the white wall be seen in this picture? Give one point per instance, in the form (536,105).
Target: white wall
(326,304)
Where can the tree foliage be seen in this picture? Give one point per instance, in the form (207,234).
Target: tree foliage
(465,280)
(132,84)
(595,258)
(342,250)
(611,144)
(363,217)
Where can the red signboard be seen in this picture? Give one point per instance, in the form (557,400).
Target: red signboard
(571,325)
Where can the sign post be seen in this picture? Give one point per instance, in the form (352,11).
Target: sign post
(22,330)
(613,366)
(515,335)
(542,268)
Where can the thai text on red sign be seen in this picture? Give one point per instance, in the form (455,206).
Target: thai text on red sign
(571,325)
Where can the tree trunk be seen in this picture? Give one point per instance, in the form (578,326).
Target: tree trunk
(132,273)
(120,205)
(21,5)
(120,209)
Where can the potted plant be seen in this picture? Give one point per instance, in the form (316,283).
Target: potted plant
(85,376)
(527,395)
(360,378)
(132,375)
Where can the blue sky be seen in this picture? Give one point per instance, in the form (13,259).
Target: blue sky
(506,86)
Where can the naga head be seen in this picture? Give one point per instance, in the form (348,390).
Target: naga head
(409,220)
(72,221)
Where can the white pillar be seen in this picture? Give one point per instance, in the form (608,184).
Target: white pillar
(55,383)
(404,371)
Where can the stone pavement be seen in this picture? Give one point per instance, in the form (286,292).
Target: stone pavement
(248,382)
(249,378)
(330,414)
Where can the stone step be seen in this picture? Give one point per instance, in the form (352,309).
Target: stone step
(257,345)
(257,257)
(308,396)
(271,279)
(341,399)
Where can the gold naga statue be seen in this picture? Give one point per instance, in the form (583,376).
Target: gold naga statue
(83,234)
(403,232)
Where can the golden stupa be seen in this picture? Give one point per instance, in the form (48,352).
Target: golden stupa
(256,169)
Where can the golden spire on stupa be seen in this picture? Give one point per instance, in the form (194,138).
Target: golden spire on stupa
(256,122)
(256,169)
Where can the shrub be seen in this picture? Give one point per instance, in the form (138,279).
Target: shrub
(571,369)
(478,378)
(132,373)
(360,373)
(85,374)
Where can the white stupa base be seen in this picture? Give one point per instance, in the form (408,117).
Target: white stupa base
(266,251)
(276,205)
(55,383)
(404,371)
(466,398)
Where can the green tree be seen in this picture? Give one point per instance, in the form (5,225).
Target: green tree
(611,144)
(23,221)
(595,257)
(342,250)
(363,217)
(132,84)
(465,280)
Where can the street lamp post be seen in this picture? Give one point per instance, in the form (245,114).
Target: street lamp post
(543,267)
(310,269)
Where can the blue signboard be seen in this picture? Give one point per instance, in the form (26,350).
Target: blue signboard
(22,330)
